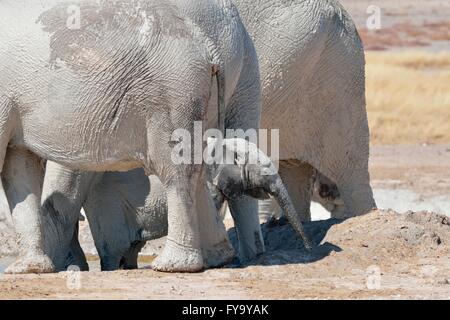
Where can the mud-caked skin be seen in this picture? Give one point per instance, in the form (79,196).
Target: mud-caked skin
(106,94)
(125,210)
(312,71)
(313,77)
(254,175)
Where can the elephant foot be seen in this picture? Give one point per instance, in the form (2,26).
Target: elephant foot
(219,255)
(178,258)
(250,248)
(31,264)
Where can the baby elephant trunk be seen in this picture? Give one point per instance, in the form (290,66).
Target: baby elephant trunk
(279,192)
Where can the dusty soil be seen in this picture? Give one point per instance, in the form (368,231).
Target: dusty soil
(423,169)
(380,255)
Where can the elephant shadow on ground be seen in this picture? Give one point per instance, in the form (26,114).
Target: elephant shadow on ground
(283,246)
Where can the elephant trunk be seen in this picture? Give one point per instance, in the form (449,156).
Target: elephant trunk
(280,193)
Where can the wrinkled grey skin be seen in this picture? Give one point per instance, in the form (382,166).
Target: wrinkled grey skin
(125,210)
(312,70)
(107,97)
(122,219)
(253,174)
(313,77)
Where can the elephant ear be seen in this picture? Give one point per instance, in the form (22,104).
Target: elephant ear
(228,181)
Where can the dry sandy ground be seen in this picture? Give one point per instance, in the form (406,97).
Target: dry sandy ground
(410,253)
(423,169)
(380,255)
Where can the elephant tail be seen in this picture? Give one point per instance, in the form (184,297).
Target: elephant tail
(219,73)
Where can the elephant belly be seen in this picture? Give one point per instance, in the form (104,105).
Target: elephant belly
(53,123)
(80,102)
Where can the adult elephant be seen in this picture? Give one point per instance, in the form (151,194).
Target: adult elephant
(126,209)
(313,78)
(313,74)
(101,86)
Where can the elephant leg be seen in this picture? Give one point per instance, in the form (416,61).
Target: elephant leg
(356,193)
(61,202)
(130,259)
(183,250)
(110,262)
(106,214)
(216,247)
(77,256)
(22,178)
(6,128)
(246,220)
(298,180)
(243,114)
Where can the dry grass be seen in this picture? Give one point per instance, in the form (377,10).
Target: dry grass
(408,97)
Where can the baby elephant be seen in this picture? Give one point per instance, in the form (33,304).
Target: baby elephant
(125,210)
(252,174)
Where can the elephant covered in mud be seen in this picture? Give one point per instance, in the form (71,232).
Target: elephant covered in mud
(313,77)
(125,210)
(313,84)
(313,80)
(101,86)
